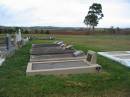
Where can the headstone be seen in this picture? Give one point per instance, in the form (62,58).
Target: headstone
(91,57)
(18,39)
(19,35)
(8,42)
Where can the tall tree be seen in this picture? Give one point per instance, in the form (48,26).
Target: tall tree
(94,15)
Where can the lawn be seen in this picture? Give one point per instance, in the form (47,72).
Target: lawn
(113,81)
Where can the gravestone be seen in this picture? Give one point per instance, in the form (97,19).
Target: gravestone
(18,39)
(8,42)
(19,35)
(53,60)
(91,57)
(25,40)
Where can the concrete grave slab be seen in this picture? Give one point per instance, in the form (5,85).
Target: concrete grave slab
(44,45)
(60,67)
(40,49)
(50,50)
(49,65)
(122,57)
(39,58)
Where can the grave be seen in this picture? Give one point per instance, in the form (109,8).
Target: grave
(65,56)
(8,45)
(70,66)
(44,49)
(122,57)
(7,48)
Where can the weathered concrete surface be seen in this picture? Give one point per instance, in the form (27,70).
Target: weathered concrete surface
(44,45)
(56,60)
(53,65)
(40,58)
(122,57)
(61,67)
(50,50)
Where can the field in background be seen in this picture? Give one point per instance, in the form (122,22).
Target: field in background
(113,81)
(95,42)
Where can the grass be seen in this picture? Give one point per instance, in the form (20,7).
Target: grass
(113,81)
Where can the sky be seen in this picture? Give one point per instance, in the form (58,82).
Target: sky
(62,13)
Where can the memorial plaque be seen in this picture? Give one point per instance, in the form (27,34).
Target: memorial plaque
(89,57)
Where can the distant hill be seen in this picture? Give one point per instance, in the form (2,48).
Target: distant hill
(64,30)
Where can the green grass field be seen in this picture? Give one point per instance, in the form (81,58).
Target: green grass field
(113,81)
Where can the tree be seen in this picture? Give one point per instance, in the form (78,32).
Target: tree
(94,15)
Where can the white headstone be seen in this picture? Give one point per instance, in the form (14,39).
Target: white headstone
(19,35)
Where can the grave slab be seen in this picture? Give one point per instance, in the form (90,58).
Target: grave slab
(122,57)
(60,67)
(39,58)
(50,50)
(44,45)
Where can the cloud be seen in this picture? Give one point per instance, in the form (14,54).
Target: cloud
(61,12)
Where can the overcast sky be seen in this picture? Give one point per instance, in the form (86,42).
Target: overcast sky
(62,12)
